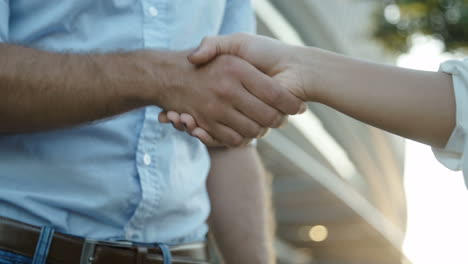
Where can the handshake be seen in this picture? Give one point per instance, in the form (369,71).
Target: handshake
(259,81)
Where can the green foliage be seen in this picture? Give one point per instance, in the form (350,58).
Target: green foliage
(398,20)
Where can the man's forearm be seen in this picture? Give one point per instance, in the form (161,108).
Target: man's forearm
(415,104)
(241,210)
(42,90)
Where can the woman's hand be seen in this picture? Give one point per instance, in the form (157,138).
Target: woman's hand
(281,61)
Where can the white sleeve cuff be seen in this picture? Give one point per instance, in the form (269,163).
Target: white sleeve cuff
(452,155)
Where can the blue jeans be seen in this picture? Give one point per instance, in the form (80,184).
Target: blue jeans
(40,255)
(12,258)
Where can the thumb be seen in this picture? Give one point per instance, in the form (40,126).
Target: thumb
(211,47)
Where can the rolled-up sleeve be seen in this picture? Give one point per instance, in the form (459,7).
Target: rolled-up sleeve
(4,19)
(455,154)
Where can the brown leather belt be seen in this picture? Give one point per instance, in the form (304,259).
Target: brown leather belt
(21,239)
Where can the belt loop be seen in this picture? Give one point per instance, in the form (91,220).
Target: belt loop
(142,252)
(166,253)
(43,245)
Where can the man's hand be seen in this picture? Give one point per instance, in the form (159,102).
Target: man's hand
(230,99)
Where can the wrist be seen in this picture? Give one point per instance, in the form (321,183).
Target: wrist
(128,74)
(317,68)
(306,58)
(158,75)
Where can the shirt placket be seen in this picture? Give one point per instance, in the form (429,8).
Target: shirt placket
(155,23)
(154,36)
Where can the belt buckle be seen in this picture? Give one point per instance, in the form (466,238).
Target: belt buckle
(89,246)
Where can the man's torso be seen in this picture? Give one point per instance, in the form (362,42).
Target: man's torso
(127,177)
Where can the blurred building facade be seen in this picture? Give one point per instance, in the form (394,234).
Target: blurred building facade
(337,183)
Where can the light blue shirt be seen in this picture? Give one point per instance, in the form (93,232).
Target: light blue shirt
(127,177)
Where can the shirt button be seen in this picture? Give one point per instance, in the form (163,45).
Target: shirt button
(153,11)
(147,159)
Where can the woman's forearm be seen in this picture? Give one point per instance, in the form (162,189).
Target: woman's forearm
(418,105)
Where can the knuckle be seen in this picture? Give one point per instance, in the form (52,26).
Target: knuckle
(230,64)
(297,108)
(209,109)
(294,104)
(224,89)
(224,59)
(236,141)
(207,40)
(274,96)
(266,121)
(268,117)
(253,131)
(294,107)
(203,123)
(274,120)
(242,36)
(256,131)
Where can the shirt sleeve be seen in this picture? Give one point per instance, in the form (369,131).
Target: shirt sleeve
(4,18)
(239,16)
(453,155)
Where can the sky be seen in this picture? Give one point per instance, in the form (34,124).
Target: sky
(437,197)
